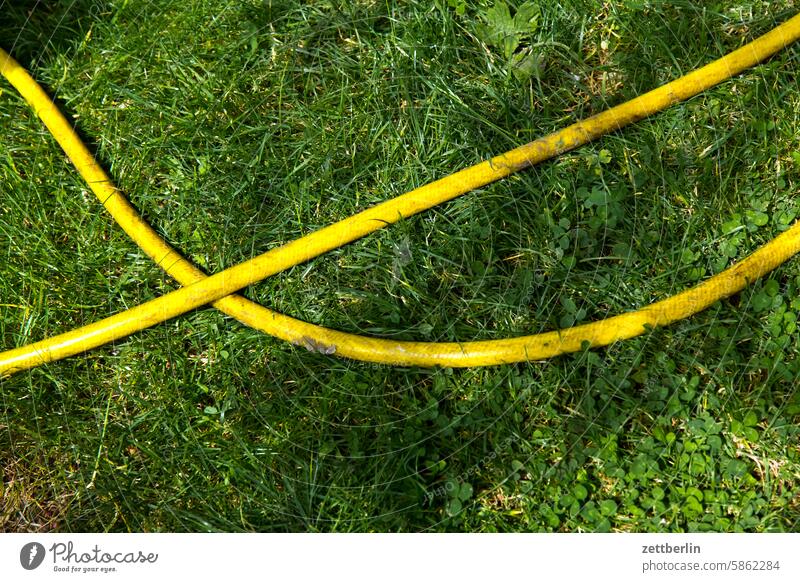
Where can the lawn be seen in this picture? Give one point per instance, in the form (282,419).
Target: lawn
(238,125)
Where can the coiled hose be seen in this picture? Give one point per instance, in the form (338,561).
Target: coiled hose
(199,289)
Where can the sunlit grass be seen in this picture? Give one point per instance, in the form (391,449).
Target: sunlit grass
(236,126)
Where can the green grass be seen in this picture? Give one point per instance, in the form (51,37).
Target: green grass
(235,126)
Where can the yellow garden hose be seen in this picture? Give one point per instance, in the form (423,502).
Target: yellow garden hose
(200,289)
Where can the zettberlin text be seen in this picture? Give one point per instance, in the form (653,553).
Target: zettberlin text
(671,549)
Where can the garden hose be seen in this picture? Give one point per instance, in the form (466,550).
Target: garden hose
(199,289)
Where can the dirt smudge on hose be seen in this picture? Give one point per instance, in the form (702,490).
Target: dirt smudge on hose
(313,345)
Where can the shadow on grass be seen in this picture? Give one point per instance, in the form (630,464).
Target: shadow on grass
(32,30)
(33,498)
